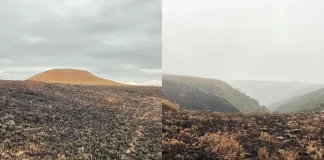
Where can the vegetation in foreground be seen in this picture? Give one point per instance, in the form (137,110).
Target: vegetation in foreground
(60,121)
(189,134)
(169,106)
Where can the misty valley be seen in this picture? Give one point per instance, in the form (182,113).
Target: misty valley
(207,118)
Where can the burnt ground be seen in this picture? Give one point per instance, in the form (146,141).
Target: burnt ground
(61,121)
(196,135)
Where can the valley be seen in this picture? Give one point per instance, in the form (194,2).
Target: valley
(206,125)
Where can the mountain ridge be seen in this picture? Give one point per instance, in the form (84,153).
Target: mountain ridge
(219,88)
(193,98)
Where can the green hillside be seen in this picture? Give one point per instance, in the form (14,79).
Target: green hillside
(220,88)
(313,101)
(270,92)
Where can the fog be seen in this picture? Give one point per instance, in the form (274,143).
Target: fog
(244,40)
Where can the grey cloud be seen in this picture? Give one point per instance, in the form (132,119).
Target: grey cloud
(97,35)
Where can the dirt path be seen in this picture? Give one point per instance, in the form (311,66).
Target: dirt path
(148,116)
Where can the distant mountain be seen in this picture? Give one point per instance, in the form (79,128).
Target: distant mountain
(194,98)
(219,88)
(310,102)
(269,92)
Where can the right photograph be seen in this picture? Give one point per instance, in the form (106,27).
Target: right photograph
(243,80)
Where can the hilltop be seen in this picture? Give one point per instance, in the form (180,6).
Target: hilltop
(194,98)
(313,101)
(71,76)
(219,88)
(269,92)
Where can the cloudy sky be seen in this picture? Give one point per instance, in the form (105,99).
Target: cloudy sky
(251,39)
(114,39)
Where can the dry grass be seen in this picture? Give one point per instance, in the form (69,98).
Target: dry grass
(267,137)
(169,106)
(111,99)
(223,144)
(313,147)
(254,136)
(283,154)
(288,154)
(263,154)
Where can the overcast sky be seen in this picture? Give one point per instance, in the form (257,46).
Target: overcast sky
(279,40)
(114,39)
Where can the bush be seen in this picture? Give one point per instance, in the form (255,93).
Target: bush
(224,145)
(169,106)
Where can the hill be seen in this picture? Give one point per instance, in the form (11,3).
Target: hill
(71,76)
(219,88)
(269,92)
(194,98)
(64,121)
(310,102)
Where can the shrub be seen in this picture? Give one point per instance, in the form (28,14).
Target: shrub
(288,155)
(169,106)
(315,150)
(224,145)
(263,153)
(267,137)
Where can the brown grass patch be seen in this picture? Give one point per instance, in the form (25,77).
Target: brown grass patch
(316,151)
(263,153)
(169,106)
(288,155)
(111,99)
(224,144)
(267,137)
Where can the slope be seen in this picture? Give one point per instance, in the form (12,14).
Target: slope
(194,98)
(71,76)
(49,121)
(310,102)
(219,88)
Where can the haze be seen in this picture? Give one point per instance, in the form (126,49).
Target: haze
(252,40)
(118,40)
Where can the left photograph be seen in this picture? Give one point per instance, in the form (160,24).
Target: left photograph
(80,79)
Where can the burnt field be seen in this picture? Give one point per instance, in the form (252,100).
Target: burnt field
(195,135)
(60,121)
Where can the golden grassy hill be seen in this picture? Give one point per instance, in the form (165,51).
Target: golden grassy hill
(71,76)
